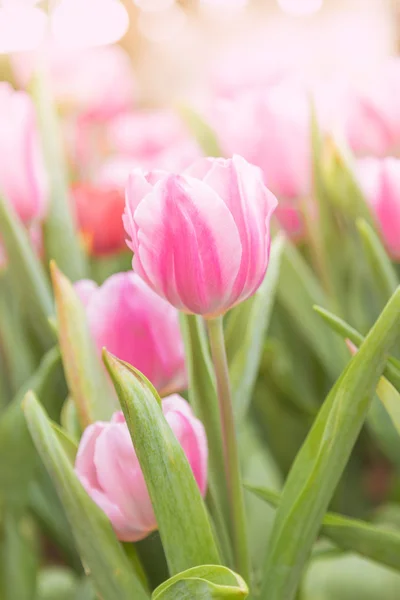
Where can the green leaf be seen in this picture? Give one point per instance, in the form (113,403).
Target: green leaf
(392,369)
(17,471)
(19,557)
(69,419)
(248,324)
(375,542)
(205,582)
(181,515)
(87,381)
(49,513)
(203,399)
(28,277)
(17,354)
(69,446)
(384,275)
(201,130)
(298,290)
(322,459)
(60,236)
(101,553)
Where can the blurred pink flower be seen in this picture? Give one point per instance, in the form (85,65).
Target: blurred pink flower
(370,112)
(380,181)
(154,139)
(271,129)
(99,212)
(96,83)
(109,470)
(201,240)
(139,327)
(22,175)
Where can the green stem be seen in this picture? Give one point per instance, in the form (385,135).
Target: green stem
(230,448)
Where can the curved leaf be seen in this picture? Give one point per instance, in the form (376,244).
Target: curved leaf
(17,471)
(375,542)
(204,582)
(101,553)
(181,515)
(60,236)
(28,276)
(87,381)
(321,460)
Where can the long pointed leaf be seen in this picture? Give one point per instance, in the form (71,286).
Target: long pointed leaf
(87,381)
(323,457)
(18,469)
(384,275)
(252,319)
(60,236)
(181,515)
(27,274)
(377,543)
(298,290)
(102,554)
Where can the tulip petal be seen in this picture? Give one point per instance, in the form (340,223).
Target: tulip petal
(188,244)
(84,465)
(241,187)
(121,478)
(191,435)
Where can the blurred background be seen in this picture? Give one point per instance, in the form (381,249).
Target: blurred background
(177,46)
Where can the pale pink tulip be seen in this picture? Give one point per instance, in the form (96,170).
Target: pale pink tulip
(380,181)
(271,129)
(201,240)
(139,327)
(154,139)
(109,470)
(22,175)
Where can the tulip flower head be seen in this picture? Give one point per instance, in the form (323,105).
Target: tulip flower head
(201,240)
(136,325)
(380,181)
(109,470)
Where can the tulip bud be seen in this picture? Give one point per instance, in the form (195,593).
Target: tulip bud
(380,181)
(109,470)
(136,325)
(201,240)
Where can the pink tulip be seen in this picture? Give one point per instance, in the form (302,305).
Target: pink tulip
(271,129)
(22,176)
(109,470)
(380,181)
(154,139)
(139,327)
(201,240)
